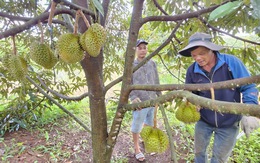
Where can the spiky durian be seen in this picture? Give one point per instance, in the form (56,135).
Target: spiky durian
(155,140)
(179,112)
(24,63)
(152,144)
(69,49)
(53,60)
(93,39)
(43,55)
(17,67)
(187,113)
(6,61)
(196,114)
(146,131)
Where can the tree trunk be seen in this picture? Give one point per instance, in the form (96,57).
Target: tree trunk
(93,68)
(98,115)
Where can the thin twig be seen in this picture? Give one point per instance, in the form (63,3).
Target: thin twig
(78,98)
(159,7)
(168,69)
(216,29)
(59,105)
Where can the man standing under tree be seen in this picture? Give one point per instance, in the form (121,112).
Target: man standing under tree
(211,66)
(147,74)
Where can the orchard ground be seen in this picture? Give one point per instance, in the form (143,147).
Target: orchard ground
(60,143)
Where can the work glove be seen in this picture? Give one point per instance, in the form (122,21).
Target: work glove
(249,124)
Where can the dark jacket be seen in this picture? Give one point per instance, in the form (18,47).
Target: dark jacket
(228,67)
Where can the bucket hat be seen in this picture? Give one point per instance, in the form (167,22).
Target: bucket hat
(200,39)
(140,41)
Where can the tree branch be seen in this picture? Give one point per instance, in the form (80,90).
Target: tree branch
(159,7)
(105,5)
(215,105)
(199,87)
(14,18)
(25,19)
(73,6)
(78,98)
(216,29)
(179,16)
(59,105)
(166,42)
(128,71)
(32,22)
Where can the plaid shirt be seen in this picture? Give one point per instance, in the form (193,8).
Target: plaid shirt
(147,74)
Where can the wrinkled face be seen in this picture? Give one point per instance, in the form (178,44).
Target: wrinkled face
(141,51)
(203,56)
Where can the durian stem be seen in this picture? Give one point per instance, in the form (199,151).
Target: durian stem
(212,93)
(14,46)
(76,22)
(53,6)
(41,29)
(84,18)
(155,117)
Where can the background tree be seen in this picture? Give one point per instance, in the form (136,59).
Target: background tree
(167,26)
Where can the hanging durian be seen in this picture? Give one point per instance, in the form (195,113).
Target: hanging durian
(187,113)
(93,39)
(16,66)
(42,54)
(68,48)
(6,61)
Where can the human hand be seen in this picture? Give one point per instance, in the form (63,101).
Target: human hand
(198,108)
(136,100)
(249,124)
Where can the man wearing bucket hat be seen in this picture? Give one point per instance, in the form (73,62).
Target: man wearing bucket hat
(147,74)
(212,66)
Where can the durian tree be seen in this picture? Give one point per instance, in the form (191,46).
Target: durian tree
(167,26)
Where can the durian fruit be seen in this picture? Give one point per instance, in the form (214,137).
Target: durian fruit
(146,131)
(16,66)
(155,140)
(93,39)
(69,49)
(24,64)
(187,113)
(6,61)
(42,54)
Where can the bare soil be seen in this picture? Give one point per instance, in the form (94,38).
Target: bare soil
(25,146)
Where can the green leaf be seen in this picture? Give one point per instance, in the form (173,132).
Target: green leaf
(256,7)
(46,135)
(224,10)
(98,6)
